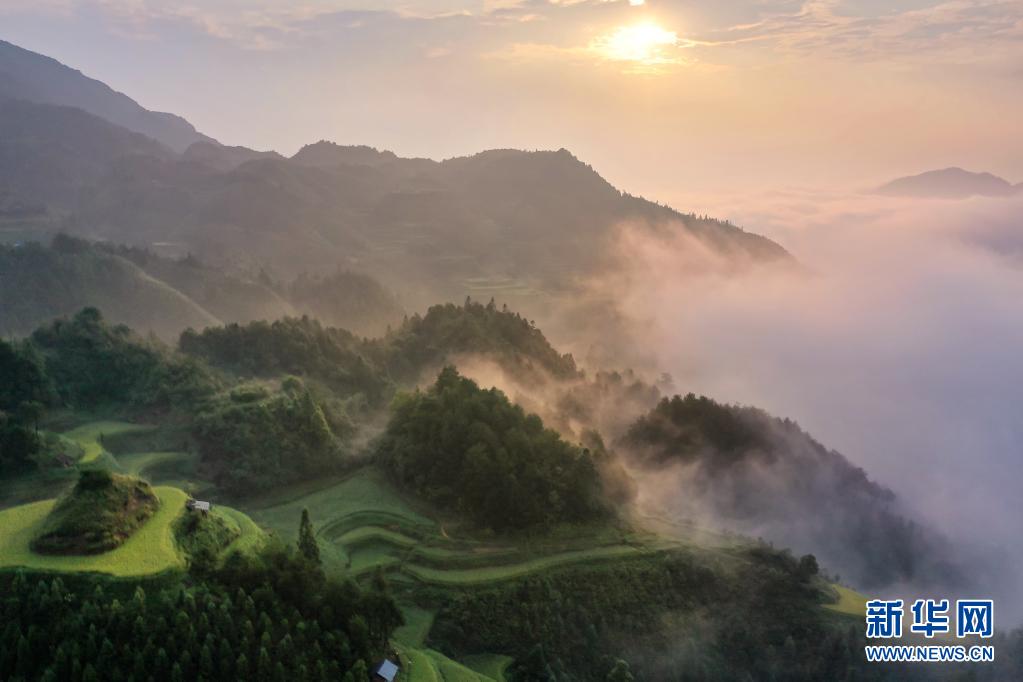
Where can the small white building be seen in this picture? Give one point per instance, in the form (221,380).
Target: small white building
(198,505)
(386,671)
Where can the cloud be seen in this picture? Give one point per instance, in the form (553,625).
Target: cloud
(960,31)
(898,345)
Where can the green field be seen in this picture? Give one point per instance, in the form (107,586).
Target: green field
(89,436)
(149,550)
(417,625)
(165,468)
(427,665)
(363,498)
(490,665)
(38,485)
(849,602)
(172,468)
(498,572)
(251,535)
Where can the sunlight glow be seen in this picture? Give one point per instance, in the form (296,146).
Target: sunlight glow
(643,43)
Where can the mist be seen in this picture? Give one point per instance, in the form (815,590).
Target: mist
(895,341)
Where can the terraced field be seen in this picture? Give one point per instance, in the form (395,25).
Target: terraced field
(165,468)
(90,437)
(363,499)
(503,571)
(427,665)
(149,550)
(251,535)
(489,665)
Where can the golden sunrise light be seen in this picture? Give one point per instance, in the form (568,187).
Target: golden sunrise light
(671,312)
(645,43)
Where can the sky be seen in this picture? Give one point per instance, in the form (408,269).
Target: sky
(662,97)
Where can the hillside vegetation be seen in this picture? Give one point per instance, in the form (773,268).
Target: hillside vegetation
(150,549)
(164,296)
(99,514)
(472,451)
(494,538)
(752,472)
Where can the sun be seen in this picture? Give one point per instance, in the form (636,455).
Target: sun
(645,43)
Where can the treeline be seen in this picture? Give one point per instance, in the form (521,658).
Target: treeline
(295,346)
(373,367)
(84,362)
(759,474)
(672,618)
(271,430)
(253,440)
(269,618)
(90,363)
(25,391)
(249,438)
(448,330)
(473,451)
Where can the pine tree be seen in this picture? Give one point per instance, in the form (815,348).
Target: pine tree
(307,539)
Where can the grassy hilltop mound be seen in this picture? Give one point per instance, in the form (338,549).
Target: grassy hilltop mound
(98,515)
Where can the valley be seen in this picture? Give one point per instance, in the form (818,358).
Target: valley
(293,417)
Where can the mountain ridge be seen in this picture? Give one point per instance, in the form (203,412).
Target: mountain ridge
(949,183)
(35,77)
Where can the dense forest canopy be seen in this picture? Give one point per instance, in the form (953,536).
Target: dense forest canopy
(91,362)
(254,440)
(273,616)
(473,328)
(298,346)
(471,450)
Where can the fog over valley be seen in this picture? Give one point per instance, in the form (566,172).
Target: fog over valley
(511,341)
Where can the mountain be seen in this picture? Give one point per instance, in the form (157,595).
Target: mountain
(325,154)
(495,223)
(525,226)
(51,156)
(36,78)
(949,183)
(41,283)
(167,295)
(223,158)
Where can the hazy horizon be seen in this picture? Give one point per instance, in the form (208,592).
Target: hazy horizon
(662,98)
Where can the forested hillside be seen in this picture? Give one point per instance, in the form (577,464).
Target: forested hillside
(472,451)
(513,538)
(760,474)
(166,295)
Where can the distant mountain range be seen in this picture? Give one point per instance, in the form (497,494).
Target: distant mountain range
(950,183)
(77,157)
(35,78)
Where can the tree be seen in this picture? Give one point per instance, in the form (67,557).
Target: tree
(30,412)
(808,566)
(620,672)
(307,539)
